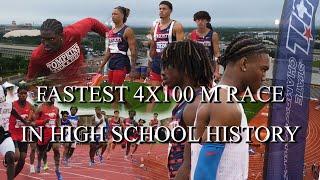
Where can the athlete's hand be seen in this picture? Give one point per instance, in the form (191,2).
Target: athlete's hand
(27,122)
(132,74)
(32,123)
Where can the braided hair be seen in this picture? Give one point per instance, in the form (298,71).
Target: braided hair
(125,11)
(52,25)
(189,58)
(240,47)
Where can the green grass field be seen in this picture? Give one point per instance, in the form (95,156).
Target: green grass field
(251,109)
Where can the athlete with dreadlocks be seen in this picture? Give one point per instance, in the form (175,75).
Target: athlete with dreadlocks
(60,54)
(121,38)
(164,32)
(184,64)
(205,35)
(246,61)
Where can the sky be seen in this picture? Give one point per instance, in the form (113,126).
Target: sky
(232,13)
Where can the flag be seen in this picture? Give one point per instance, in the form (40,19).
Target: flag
(292,70)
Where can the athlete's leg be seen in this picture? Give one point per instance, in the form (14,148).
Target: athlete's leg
(56,152)
(56,155)
(23,148)
(127,149)
(8,151)
(9,159)
(104,148)
(17,151)
(134,149)
(42,150)
(118,79)
(92,151)
(71,150)
(33,148)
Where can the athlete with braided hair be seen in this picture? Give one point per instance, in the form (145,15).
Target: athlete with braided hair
(60,54)
(246,61)
(184,63)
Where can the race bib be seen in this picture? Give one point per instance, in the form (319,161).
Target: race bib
(161,45)
(19,123)
(74,123)
(113,46)
(51,123)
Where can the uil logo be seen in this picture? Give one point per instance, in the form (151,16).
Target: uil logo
(300,26)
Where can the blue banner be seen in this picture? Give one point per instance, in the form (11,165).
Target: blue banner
(292,70)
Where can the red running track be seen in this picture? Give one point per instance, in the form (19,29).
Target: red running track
(155,164)
(312,153)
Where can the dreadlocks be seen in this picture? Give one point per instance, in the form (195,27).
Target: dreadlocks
(240,47)
(53,25)
(189,58)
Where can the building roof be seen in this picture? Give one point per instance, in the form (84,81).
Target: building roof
(20,47)
(19,33)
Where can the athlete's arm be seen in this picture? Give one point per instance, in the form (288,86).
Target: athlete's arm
(38,121)
(216,51)
(17,116)
(129,35)
(223,114)
(178,31)
(100,122)
(31,114)
(122,123)
(184,170)
(152,44)
(89,24)
(105,60)
(58,122)
(189,115)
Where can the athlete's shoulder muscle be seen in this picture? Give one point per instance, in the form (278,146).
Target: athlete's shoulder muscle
(178,31)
